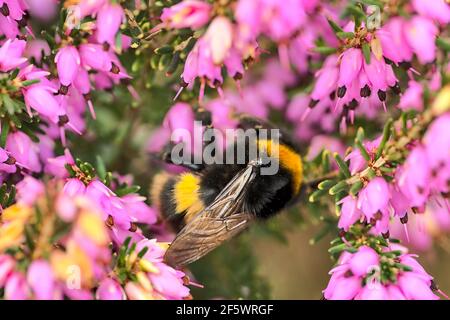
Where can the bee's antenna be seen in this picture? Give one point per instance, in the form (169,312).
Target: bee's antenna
(258,162)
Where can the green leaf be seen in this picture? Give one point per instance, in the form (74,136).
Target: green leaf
(339,196)
(142,253)
(363,150)
(187,32)
(366,52)
(11,196)
(189,45)
(173,65)
(4,133)
(154,61)
(29,238)
(9,104)
(108,179)
(164,50)
(342,165)
(101,168)
(385,138)
(377,3)
(324,50)
(351,249)
(164,62)
(123,252)
(69,169)
(3,189)
(336,28)
(404,119)
(335,241)
(326,184)
(443,44)
(127,190)
(87,169)
(136,66)
(126,243)
(339,248)
(345,35)
(316,195)
(49,38)
(371,173)
(30,82)
(338,187)
(403,267)
(132,248)
(15,120)
(387,170)
(62,18)
(373,2)
(118,40)
(360,134)
(357,13)
(15,73)
(326,160)
(356,187)
(122,275)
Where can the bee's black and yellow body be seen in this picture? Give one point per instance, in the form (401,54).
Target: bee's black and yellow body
(181,197)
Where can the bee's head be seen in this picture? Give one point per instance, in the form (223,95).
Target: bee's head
(265,165)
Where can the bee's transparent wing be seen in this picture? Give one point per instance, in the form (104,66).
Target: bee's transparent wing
(220,221)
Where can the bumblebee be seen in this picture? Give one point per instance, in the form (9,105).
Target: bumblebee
(212,203)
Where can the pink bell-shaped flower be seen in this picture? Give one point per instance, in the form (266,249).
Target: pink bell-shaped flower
(67,62)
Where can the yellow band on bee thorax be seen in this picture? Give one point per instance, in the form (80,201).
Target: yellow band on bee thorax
(289,160)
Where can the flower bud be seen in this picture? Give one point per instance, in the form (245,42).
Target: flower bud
(41,280)
(16,287)
(421,35)
(219,38)
(11,54)
(40,99)
(110,289)
(93,56)
(7,264)
(135,292)
(109,19)
(187,14)
(67,62)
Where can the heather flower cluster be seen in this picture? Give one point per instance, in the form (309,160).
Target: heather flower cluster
(56,237)
(389,274)
(408,188)
(121,214)
(92,91)
(230,40)
(361,74)
(55,245)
